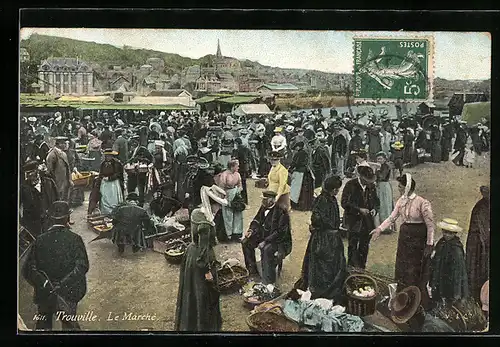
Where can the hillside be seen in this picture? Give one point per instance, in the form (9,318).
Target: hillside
(104,56)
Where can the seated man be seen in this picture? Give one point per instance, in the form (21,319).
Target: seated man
(270,232)
(131,224)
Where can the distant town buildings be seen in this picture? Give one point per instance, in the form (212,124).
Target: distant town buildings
(64,76)
(24,56)
(279,89)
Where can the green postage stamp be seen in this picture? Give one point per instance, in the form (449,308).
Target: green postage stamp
(393,69)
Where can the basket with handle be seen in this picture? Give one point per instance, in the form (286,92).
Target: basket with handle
(231,278)
(271,321)
(175,258)
(83,180)
(360,306)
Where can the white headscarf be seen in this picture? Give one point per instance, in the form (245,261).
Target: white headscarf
(214,192)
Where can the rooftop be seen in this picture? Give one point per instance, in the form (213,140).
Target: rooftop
(279,86)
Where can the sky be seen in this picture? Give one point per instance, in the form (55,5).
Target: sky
(457,55)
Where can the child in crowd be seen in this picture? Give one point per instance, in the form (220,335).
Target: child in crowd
(470,157)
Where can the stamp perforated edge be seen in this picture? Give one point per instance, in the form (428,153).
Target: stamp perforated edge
(397,36)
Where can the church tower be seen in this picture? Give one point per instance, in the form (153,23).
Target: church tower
(219,53)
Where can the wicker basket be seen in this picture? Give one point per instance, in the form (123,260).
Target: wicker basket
(269,321)
(159,242)
(360,306)
(83,181)
(175,259)
(231,278)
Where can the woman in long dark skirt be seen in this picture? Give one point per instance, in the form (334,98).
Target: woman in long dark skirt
(198,304)
(416,237)
(478,244)
(324,268)
(302,185)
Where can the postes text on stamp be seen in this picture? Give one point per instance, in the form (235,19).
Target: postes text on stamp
(393,69)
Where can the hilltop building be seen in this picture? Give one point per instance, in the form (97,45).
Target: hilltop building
(24,56)
(64,76)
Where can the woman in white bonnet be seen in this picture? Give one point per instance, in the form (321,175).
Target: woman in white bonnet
(198,305)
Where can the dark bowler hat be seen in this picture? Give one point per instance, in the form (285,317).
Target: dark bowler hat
(59,210)
(268,194)
(367,174)
(30,166)
(133,196)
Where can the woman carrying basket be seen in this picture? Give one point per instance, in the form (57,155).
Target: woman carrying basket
(416,236)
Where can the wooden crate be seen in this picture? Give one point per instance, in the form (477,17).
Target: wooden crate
(159,241)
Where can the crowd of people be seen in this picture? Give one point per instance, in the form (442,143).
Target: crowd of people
(151,164)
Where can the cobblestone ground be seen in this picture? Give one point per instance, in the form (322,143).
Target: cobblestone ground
(144,283)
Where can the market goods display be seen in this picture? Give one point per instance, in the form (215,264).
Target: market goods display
(462,316)
(231,278)
(269,321)
(361,293)
(257,293)
(165,242)
(175,251)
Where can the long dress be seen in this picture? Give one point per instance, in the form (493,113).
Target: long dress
(324,268)
(478,247)
(302,185)
(384,193)
(198,306)
(233,220)
(108,187)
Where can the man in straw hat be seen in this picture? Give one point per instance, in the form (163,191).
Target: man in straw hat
(270,232)
(56,267)
(449,280)
(59,169)
(131,224)
(109,186)
(198,306)
(360,203)
(37,194)
(397,156)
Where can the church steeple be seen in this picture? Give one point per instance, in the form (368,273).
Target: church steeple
(219,53)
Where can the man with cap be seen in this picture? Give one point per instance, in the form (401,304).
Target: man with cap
(448,280)
(360,203)
(37,194)
(270,231)
(131,224)
(56,267)
(121,146)
(58,167)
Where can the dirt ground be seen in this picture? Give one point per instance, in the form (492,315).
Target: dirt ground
(144,283)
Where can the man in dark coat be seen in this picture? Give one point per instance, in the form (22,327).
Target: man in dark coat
(136,179)
(38,192)
(56,267)
(447,136)
(374,142)
(324,267)
(435,144)
(355,145)
(106,137)
(244,156)
(40,149)
(339,153)
(460,143)
(121,146)
(131,224)
(320,160)
(476,140)
(360,203)
(270,232)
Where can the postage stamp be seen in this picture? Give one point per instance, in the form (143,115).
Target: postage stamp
(393,69)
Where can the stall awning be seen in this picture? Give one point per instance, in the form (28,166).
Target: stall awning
(473,112)
(206,99)
(124,106)
(252,109)
(239,99)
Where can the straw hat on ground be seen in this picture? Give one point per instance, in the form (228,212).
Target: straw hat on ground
(405,304)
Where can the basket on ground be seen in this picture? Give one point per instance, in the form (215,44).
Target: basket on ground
(231,278)
(175,251)
(162,243)
(270,321)
(357,305)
